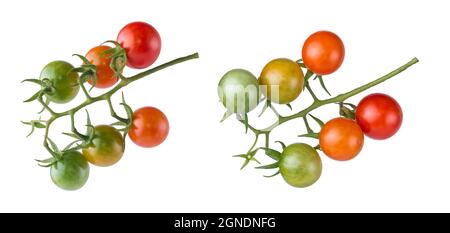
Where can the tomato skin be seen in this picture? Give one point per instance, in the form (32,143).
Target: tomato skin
(108,146)
(323,52)
(379,116)
(150,127)
(285,74)
(341,139)
(300,165)
(63,79)
(105,75)
(239,83)
(71,172)
(141,42)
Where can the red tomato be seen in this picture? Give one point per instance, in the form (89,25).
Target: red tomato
(379,116)
(323,52)
(341,139)
(105,75)
(150,127)
(141,42)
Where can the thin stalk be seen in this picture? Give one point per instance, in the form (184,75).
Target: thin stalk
(254,143)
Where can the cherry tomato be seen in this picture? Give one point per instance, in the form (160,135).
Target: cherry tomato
(281,80)
(63,80)
(141,42)
(341,139)
(323,52)
(105,75)
(150,127)
(71,172)
(233,89)
(379,116)
(300,165)
(107,146)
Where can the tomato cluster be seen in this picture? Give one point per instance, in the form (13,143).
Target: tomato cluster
(281,81)
(137,46)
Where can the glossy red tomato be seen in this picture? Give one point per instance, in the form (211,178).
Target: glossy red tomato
(379,116)
(105,75)
(341,139)
(323,52)
(150,127)
(141,42)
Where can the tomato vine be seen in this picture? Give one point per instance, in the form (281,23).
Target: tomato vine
(138,46)
(124,81)
(282,81)
(303,114)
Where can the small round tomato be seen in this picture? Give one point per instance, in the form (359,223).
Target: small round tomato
(281,80)
(341,139)
(323,52)
(300,165)
(63,81)
(239,91)
(379,116)
(105,75)
(107,146)
(141,42)
(71,172)
(150,127)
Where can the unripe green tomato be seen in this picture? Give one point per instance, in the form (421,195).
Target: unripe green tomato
(63,80)
(71,172)
(281,80)
(239,91)
(300,165)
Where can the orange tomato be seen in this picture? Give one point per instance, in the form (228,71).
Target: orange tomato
(105,75)
(341,139)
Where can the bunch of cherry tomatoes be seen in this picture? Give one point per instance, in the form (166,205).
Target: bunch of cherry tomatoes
(138,46)
(282,80)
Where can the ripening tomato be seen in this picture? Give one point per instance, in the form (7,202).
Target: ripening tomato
(141,42)
(149,128)
(107,146)
(281,80)
(323,52)
(341,139)
(379,116)
(105,75)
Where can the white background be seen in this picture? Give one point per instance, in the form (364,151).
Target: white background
(193,171)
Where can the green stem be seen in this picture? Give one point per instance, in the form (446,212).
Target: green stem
(86,94)
(254,143)
(47,129)
(46,107)
(107,96)
(163,66)
(112,112)
(311,91)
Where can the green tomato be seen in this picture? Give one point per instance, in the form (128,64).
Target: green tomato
(300,165)
(239,91)
(108,146)
(63,81)
(71,172)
